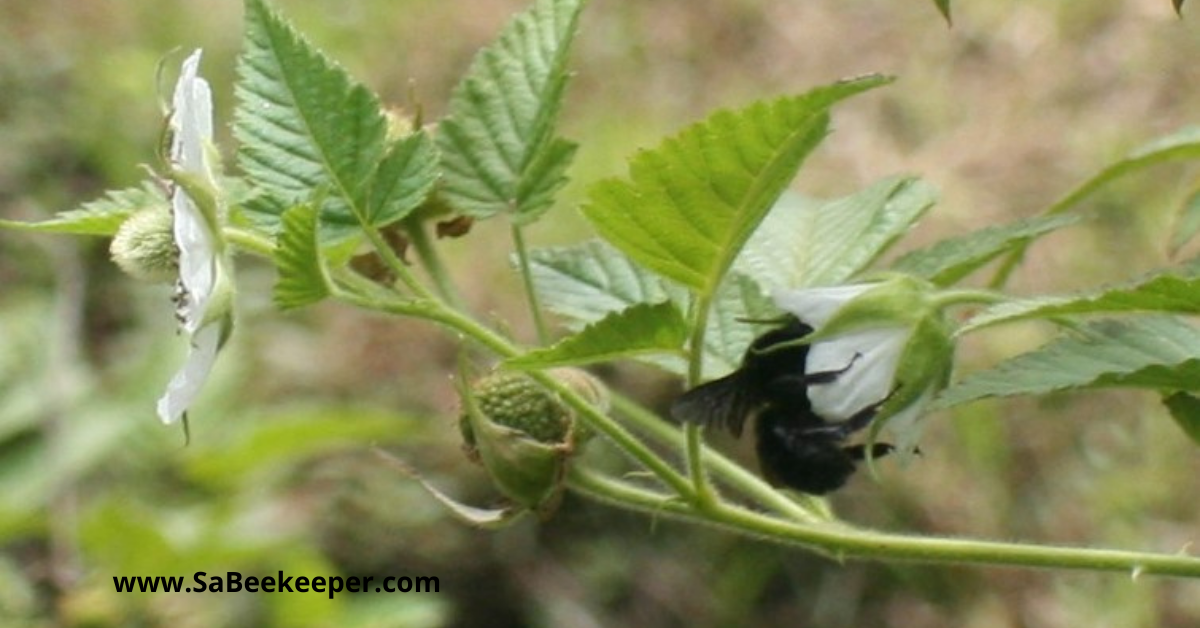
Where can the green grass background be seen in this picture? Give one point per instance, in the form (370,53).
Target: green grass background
(1003,112)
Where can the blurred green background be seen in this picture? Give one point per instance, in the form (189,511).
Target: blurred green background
(1004,112)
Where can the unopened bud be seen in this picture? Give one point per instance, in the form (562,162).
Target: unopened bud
(144,246)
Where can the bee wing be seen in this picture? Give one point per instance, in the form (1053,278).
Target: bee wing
(723,401)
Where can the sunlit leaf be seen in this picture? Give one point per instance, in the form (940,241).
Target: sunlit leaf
(101,217)
(818,243)
(642,329)
(689,205)
(405,177)
(1156,352)
(499,152)
(303,123)
(1176,291)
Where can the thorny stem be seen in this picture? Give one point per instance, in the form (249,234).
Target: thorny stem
(802,527)
(840,541)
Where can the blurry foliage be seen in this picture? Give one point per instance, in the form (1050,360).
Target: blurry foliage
(999,111)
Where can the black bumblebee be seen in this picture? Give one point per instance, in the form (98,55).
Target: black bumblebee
(796,447)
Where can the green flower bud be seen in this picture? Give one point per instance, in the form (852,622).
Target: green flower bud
(524,434)
(144,246)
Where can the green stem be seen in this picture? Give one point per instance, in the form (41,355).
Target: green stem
(535,308)
(694,449)
(249,241)
(394,264)
(432,262)
(948,298)
(833,538)
(461,323)
(841,541)
(1006,267)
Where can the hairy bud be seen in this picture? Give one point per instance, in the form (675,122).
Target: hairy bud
(144,246)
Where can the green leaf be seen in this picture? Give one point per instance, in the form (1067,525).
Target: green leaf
(303,123)
(1156,352)
(947,262)
(1176,291)
(690,204)
(1187,225)
(820,243)
(405,177)
(588,282)
(303,279)
(1183,144)
(641,329)
(731,327)
(101,217)
(499,153)
(1185,409)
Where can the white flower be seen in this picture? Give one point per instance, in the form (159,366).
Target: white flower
(202,292)
(888,339)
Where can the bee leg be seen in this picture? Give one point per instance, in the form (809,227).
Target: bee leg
(785,384)
(827,377)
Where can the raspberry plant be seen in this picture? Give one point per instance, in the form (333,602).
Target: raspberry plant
(692,243)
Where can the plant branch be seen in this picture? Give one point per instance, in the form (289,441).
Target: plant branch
(432,261)
(840,541)
(535,308)
(249,241)
(694,448)
(398,268)
(732,473)
(461,323)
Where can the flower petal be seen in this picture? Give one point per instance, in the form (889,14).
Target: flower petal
(872,356)
(191,377)
(815,306)
(191,118)
(191,127)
